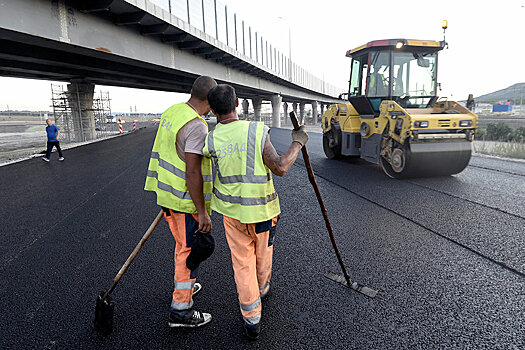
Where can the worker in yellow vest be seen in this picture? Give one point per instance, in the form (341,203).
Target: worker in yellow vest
(182,181)
(244,194)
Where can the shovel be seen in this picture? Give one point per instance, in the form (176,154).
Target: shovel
(345,279)
(105,306)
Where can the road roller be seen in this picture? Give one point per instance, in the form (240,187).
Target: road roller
(394,117)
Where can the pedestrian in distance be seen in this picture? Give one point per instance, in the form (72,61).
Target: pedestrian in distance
(53,140)
(243,193)
(182,181)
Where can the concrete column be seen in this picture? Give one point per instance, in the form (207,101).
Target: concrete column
(257,103)
(294,107)
(276,111)
(286,117)
(80,98)
(245,106)
(314,111)
(322,109)
(301,112)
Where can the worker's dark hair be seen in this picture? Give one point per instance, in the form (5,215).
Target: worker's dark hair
(201,87)
(222,99)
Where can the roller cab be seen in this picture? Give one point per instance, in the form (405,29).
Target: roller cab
(393,117)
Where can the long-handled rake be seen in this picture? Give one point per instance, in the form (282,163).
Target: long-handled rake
(345,281)
(105,306)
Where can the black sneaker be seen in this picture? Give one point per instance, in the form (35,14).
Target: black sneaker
(197,288)
(188,318)
(252,330)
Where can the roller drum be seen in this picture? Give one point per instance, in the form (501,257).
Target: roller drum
(428,159)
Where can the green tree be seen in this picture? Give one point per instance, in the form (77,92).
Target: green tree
(499,132)
(480,134)
(518,134)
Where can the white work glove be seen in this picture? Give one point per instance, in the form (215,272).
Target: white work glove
(300,135)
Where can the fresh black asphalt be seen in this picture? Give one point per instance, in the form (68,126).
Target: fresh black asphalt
(446,255)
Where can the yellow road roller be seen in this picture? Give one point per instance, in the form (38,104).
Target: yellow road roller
(394,117)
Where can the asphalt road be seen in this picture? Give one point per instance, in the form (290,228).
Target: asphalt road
(446,255)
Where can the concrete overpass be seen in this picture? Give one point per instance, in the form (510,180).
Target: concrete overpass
(135,43)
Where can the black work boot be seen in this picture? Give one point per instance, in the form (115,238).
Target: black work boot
(252,330)
(188,318)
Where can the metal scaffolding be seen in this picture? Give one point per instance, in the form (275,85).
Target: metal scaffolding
(66,103)
(102,112)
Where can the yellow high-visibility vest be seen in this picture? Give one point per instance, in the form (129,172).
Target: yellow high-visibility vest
(243,186)
(167,172)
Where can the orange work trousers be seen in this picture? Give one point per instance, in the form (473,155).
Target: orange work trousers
(251,247)
(182,226)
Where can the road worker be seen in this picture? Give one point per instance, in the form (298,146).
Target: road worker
(244,194)
(182,180)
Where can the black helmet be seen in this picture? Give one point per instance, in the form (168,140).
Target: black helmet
(202,247)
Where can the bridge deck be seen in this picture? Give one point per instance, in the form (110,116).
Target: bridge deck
(137,44)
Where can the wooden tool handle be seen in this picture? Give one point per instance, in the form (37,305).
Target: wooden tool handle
(295,122)
(143,240)
(313,181)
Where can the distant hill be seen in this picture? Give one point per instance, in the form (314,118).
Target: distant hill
(513,93)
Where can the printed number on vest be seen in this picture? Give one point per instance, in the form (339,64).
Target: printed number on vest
(229,149)
(165,124)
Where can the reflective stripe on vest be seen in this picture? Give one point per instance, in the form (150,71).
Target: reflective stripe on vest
(245,200)
(165,187)
(243,187)
(166,174)
(250,176)
(176,171)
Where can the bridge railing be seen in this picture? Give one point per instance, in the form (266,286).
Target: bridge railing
(219,21)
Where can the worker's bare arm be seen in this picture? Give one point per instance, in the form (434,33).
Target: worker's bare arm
(194,183)
(279,165)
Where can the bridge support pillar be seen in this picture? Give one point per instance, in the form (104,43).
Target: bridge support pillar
(294,107)
(322,109)
(276,111)
(314,111)
(302,115)
(245,105)
(80,98)
(285,109)
(257,104)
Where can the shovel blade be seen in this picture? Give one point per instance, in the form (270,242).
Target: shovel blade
(369,292)
(104,314)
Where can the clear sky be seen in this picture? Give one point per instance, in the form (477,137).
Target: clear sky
(486,44)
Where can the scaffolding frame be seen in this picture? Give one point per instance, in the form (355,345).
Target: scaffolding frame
(61,100)
(102,110)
